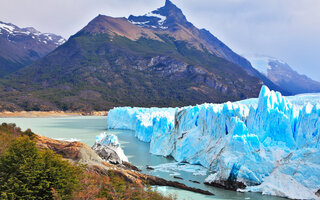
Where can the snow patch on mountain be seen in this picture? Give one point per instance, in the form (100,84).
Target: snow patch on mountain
(150,20)
(10,31)
(7,27)
(162,18)
(139,23)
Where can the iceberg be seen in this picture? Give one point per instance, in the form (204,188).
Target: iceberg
(108,148)
(269,144)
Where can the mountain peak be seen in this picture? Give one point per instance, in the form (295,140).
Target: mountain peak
(283,75)
(162,18)
(22,46)
(169,4)
(171,11)
(14,34)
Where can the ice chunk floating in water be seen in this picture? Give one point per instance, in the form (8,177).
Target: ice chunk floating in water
(254,142)
(175,168)
(108,147)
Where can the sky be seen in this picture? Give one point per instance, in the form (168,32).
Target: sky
(285,29)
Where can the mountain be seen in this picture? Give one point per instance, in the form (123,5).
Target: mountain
(170,20)
(284,76)
(159,59)
(21,46)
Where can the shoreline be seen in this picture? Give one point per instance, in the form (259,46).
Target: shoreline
(78,152)
(36,114)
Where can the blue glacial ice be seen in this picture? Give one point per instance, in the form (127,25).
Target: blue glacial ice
(271,144)
(174,168)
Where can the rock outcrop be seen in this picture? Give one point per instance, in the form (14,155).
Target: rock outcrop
(20,47)
(77,152)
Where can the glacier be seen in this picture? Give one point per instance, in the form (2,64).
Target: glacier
(269,144)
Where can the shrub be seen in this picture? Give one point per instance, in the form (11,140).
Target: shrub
(26,172)
(113,187)
(29,173)
(8,133)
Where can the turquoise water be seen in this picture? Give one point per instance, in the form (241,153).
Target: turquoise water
(86,128)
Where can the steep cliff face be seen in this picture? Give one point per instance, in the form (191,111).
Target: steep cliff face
(247,144)
(170,20)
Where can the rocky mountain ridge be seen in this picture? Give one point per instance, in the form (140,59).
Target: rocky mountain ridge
(170,20)
(13,32)
(21,46)
(284,76)
(129,62)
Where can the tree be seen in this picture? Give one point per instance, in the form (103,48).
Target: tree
(29,173)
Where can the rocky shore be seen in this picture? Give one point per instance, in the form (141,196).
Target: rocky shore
(77,152)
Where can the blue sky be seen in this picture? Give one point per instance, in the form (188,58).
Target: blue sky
(284,29)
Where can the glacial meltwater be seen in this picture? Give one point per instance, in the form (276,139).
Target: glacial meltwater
(85,129)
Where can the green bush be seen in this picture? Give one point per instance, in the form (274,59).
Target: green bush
(9,132)
(29,173)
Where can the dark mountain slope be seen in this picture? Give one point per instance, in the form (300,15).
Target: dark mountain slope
(112,62)
(170,19)
(284,76)
(21,46)
(99,71)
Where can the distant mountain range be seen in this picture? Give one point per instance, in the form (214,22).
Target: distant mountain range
(21,46)
(284,76)
(158,59)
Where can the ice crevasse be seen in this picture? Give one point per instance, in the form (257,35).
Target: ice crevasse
(268,145)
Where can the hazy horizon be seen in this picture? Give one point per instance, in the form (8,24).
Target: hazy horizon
(288,30)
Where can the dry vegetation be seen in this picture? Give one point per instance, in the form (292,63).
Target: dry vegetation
(112,186)
(59,179)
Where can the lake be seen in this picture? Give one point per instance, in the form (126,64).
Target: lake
(86,128)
